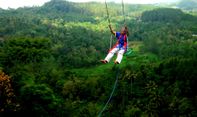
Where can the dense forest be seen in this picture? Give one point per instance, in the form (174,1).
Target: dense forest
(49,61)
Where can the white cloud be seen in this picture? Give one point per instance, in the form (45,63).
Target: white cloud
(20,3)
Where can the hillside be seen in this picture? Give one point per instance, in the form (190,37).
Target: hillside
(50,61)
(187,4)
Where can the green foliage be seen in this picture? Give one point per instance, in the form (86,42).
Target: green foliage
(158,85)
(52,54)
(39,100)
(24,51)
(133,112)
(163,15)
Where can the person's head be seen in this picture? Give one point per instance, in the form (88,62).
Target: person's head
(125,30)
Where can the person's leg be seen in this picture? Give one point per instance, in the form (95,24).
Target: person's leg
(111,54)
(120,56)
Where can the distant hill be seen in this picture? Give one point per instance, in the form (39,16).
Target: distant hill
(65,10)
(79,12)
(187,4)
(163,15)
(62,7)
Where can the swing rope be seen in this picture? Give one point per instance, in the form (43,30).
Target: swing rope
(106,7)
(109,21)
(114,87)
(118,69)
(123,13)
(111,41)
(129,50)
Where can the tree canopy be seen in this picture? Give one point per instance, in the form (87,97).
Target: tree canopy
(49,61)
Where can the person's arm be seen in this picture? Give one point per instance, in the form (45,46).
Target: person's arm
(112,31)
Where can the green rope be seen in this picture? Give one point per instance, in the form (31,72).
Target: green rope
(114,87)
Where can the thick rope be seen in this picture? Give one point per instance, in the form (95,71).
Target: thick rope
(123,13)
(127,43)
(111,41)
(131,86)
(106,7)
(114,87)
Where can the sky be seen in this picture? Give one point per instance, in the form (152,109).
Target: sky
(21,3)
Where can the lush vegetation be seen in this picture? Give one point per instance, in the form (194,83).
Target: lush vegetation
(49,61)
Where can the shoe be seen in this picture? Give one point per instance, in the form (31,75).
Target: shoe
(104,61)
(116,62)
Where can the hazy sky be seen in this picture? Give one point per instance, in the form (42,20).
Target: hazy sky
(20,3)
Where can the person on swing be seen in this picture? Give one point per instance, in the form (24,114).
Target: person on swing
(120,47)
